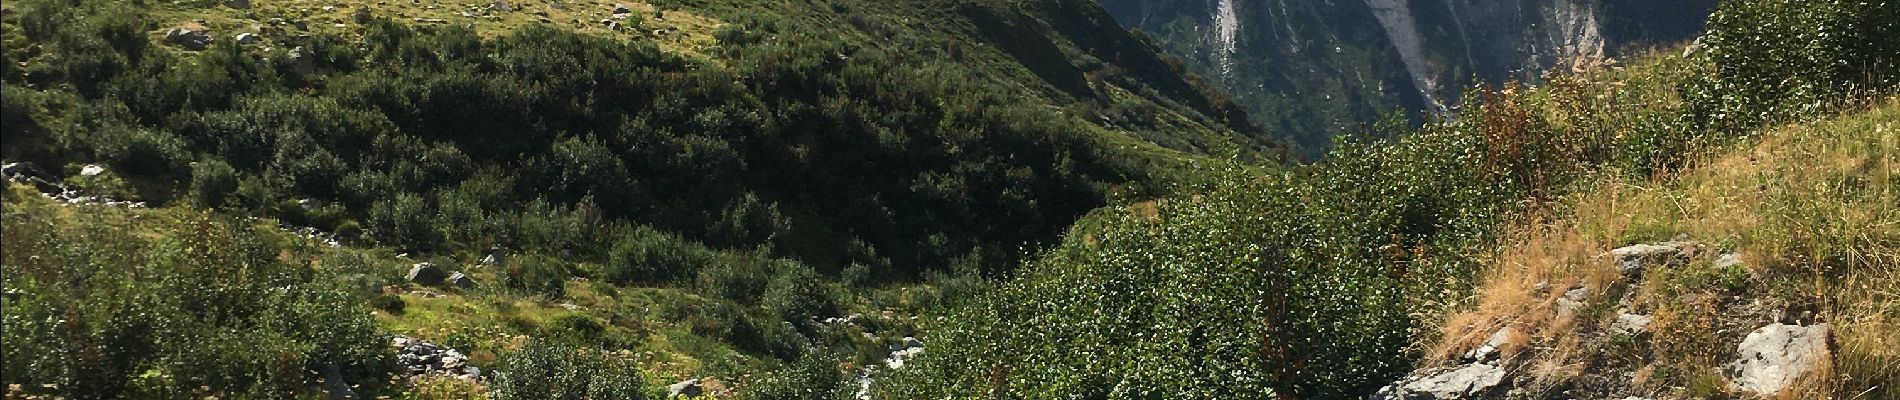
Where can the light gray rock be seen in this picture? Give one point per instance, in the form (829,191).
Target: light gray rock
(1776,355)
(91,170)
(913,343)
(1631,324)
(1489,350)
(1633,260)
(1727,260)
(246,38)
(686,388)
(1461,383)
(424,273)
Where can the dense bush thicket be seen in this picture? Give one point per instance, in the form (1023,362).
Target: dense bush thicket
(124,306)
(809,144)
(1307,282)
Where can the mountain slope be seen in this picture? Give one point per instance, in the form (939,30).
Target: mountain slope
(879,133)
(1307,70)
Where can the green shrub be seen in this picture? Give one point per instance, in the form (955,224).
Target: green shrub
(815,376)
(555,371)
(797,294)
(388,303)
(189,304)
(534,274)
(212,182)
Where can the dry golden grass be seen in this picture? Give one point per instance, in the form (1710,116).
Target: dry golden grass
(1813,210)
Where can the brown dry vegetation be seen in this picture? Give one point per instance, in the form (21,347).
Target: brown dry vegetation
(1812,208)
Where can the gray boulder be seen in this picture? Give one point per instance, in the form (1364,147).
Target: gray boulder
(1775,356)
(188,38)
(1633,260)
(246,38)
(462,281)
(424,273)
(1461,383)
(686,388)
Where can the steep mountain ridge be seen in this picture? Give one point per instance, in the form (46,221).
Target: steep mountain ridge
(1309,70)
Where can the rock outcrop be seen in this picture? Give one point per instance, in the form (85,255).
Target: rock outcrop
(1775,356)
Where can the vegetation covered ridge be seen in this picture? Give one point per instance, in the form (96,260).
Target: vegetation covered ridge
(1338,279)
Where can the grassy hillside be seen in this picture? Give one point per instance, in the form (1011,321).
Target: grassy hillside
(1335,279)
(1810,209)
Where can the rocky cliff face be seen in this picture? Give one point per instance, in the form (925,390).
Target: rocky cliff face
(1307,70)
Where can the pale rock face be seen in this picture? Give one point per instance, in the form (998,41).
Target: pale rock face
(1459,383)
(1774,356)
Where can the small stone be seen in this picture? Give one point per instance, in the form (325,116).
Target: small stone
(686,388)
(1489,350)
(246,38)
(1631,324)
(1728,260)
(91,170)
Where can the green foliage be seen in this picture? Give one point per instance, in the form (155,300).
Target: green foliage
(388,303)
(165,306)
(1782,59)
(212,182)
(814,376)
(555,371)
(798,295)
(535,274)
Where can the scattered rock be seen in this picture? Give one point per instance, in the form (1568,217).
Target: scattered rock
(1578,294)
(621,9)
(500,6)
(418,358)
(686,388)
(493,259)
(238,4)
(91,170)
(18,170)
(1728,260)
(1631,324)
(610,24)
(424,273)
(571,307)
(462,281)
(1774,356)
(913,343)
(246,38)
(188,38)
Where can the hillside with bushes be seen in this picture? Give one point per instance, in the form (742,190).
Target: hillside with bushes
(914,199)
